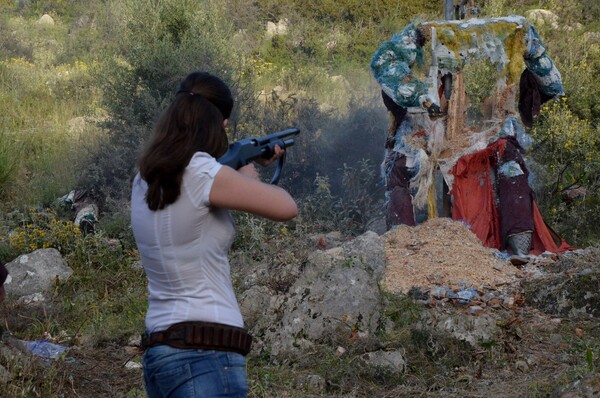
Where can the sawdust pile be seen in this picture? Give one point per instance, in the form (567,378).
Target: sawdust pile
(441,252)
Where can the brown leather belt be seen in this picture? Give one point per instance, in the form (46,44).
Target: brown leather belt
(201,335)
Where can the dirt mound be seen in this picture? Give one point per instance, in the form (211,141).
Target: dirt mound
(442,252)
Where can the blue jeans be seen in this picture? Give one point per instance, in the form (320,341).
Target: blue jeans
(188,373)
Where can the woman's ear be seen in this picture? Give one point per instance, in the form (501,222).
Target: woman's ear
(225,122)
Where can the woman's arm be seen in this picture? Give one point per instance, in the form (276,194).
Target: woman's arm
(242,190)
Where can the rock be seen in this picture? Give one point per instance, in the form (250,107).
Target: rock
(327,241)
(570,294)
(37,272)
(31,298)
(541,17)
(45,20)
(587,386)
(592,36)
(472,330)
(377,225)
(555,338)
(279,28)
(522,366)
(368,248)
(258,305)
(392,361)
(475,310)
(133,365)
(336,294)
(313,384)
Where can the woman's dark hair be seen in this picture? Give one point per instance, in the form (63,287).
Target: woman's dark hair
(192,123)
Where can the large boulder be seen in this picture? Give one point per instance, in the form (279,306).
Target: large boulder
(337,294)
(36,273)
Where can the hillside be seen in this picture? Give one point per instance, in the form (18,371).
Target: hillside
(339,306)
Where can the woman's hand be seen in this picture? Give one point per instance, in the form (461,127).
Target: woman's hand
(249,170)
(265,162)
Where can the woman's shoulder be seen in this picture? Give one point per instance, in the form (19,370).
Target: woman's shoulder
(202,162)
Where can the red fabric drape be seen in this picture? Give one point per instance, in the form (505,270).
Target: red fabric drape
(544,238)
(473,195)
(474,202)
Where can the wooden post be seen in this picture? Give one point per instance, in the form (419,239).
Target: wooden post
(446,199)
(449,10)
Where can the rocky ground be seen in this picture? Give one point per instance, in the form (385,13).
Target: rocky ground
(487,328)
(547,311)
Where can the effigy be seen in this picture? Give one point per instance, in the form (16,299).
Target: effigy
(482,162)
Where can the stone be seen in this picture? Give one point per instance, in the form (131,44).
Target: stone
(36,272)
(45,20)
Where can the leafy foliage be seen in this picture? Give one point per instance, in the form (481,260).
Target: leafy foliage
(159,46)
(41,229)
(569,149)
(73,69)
(479,80)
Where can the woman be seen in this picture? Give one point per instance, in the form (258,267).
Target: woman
(195,342)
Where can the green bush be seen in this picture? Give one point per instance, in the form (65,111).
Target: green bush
(480,78)
(160,45)
(569,150)
(41,229)
(349,211)
(578,59)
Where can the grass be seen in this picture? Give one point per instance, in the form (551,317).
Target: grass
(40,98)
(39,148)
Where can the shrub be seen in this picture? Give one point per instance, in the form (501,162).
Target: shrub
(41,229)
(480,78)
(568,148)
(160,44)
(41,98)
(351,210)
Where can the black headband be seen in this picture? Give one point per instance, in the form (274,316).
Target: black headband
(187,92)
(191,93)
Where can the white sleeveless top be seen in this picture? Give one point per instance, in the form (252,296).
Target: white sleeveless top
(184,250)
